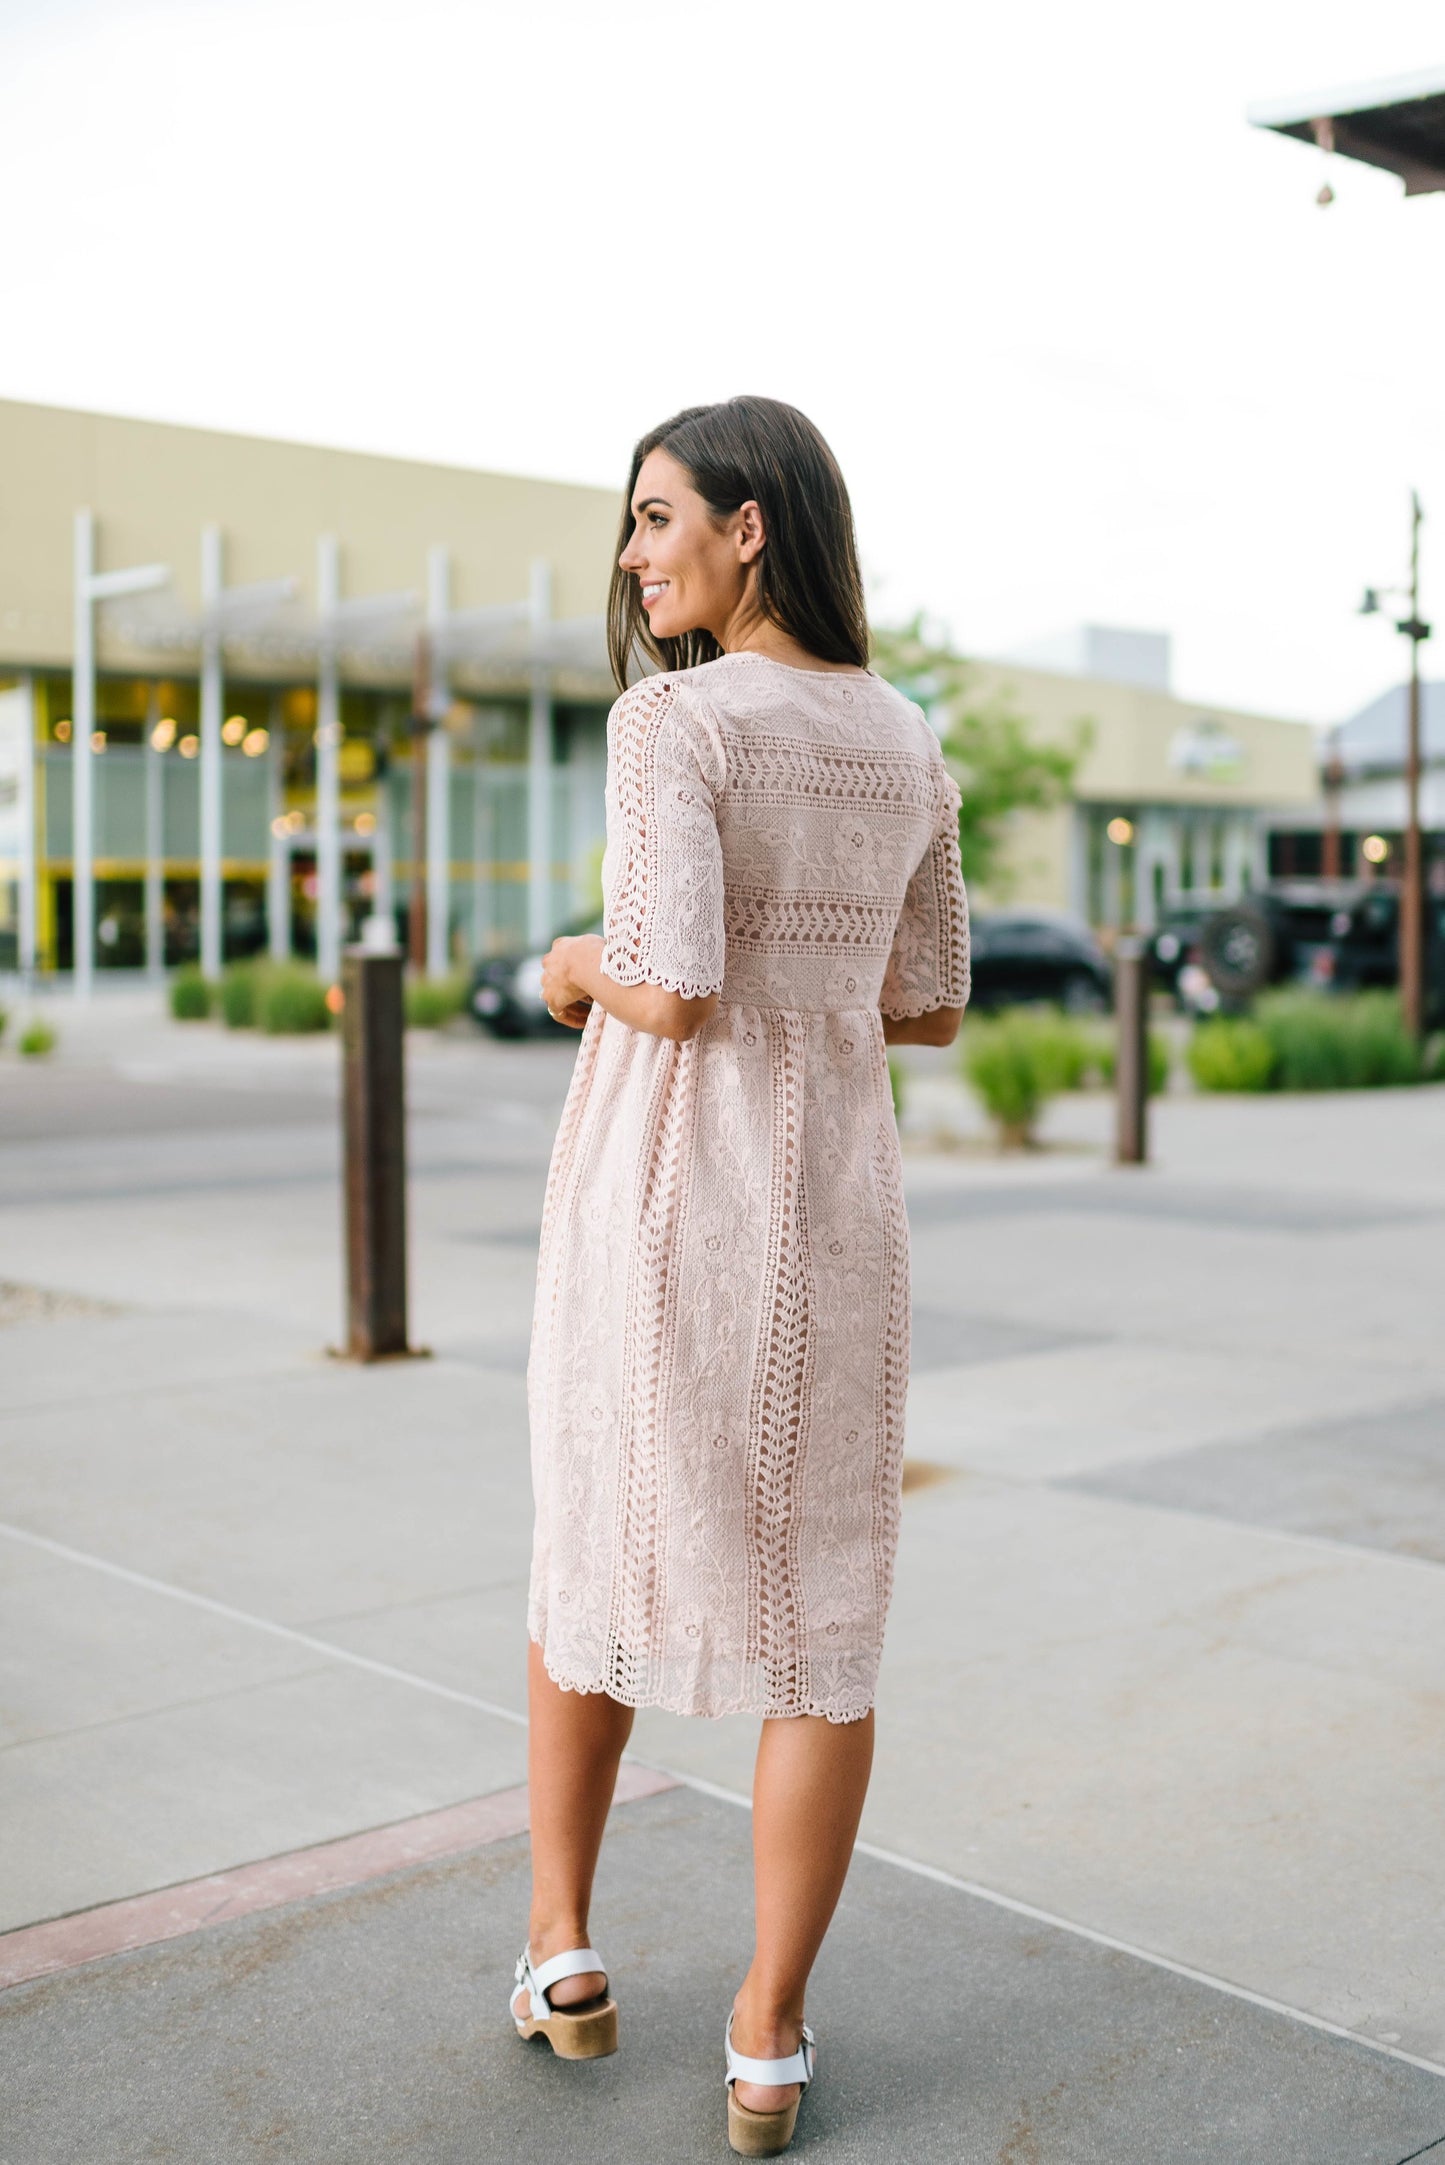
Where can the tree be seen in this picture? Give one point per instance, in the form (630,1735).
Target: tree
(1000,767)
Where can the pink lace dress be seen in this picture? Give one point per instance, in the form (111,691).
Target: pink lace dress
(719,1350)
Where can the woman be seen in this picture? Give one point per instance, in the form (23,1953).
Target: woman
(720,1344)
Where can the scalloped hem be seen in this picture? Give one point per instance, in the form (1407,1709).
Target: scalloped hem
(666,1705)
(925,1007)
(683,989)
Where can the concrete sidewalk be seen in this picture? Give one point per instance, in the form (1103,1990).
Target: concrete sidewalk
(1165,1662)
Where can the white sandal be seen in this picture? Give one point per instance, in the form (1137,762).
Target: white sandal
(765,2134)
(587,2031)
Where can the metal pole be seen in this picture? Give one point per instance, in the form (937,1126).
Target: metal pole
(25,810)
(438,769)
(155,893)
(328,764)
(212,579)
(416,927)
(1412,919)
(539,766)
(82,803)
(1131,1056)
(278,860)
(375,1155)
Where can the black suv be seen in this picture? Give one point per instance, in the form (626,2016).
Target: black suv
(1038,954)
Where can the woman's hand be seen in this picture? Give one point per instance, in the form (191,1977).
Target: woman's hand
(567,999)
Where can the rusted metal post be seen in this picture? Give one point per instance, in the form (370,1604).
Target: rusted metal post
(374,1129)
(1131,1053)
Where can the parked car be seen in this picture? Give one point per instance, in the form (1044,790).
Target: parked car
(1038,954)
(506,992)
(1364,949)
(1274,936)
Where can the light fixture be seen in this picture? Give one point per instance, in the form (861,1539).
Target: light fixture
(233,728)
(296,820)
(1374,849)
(163,736)
(97,740)
(189,747)
(366,822)
(62,732)
(1120,831)
(281,826)
(255,741)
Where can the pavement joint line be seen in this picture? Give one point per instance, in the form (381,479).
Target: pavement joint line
(1318,1544)
(68,1942)
(914,1865)
(1435,2145)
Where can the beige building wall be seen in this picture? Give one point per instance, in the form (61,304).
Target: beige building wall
(153,486)
(1152,757)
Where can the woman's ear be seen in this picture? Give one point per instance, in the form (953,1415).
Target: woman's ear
(751,538)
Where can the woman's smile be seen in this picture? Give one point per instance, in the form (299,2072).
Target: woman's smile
(651,591)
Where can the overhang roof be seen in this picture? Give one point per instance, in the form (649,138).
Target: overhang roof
(1398,124)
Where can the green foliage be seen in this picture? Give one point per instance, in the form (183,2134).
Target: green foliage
(191,995)
(238,995)
(4,1020)
(1354,1041)
(36,1040)
(1017,1061)
(1103,1052)
(432,1001)
(1000,767)
(896,1086)
(1230,1053)
(290,1000)
(1435,1059)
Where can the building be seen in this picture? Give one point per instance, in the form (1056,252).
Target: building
(208,645)
(1362,795)
(1173,801)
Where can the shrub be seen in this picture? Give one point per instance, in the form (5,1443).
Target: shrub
(36,1040)
(896,1086)
(4,1020)
(290,1000)
(1354,1041)
(432,1001)
(238,995)
(1103,1051)
(190,995)
(1230,1053)
(1017,1062)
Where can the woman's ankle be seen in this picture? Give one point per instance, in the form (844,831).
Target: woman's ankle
(766,2026)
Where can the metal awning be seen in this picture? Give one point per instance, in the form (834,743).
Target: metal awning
(1399,125)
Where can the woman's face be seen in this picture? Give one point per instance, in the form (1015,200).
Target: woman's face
(693,571)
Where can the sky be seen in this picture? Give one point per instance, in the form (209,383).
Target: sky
(1084,343)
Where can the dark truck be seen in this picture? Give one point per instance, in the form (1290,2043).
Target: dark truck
(1338,935)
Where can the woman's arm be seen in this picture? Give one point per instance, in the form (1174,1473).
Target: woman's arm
(573,978)
(938,1027)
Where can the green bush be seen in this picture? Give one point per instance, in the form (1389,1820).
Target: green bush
(290,1000)
(1017,1061)
(1103,1051)
(896,1086)
(1230,1053)
(432,1001)
(4,1020)
(190,995)
(1354,1041)
(238,995)
(36,1040)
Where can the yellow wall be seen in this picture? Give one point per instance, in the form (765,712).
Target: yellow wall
(153,486)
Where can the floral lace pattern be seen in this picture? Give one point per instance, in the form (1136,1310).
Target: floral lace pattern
(720,1341)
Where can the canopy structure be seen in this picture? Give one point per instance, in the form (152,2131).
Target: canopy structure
(1398,125)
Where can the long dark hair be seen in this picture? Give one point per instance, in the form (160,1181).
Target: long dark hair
(809,584)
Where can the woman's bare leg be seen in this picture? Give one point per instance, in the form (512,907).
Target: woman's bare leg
(574,1744)
(808,1791)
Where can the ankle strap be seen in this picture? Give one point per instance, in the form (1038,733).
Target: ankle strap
(798,2067)
(539,1980)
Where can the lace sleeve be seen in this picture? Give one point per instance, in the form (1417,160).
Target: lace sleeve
(662,875)
(928,965)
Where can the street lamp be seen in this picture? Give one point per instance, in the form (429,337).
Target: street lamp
(1412,925)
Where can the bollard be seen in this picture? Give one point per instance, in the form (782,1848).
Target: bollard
(1131,1053)
(374,1170)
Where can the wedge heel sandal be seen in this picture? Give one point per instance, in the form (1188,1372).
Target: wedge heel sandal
(766,2134)
(587,2031)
